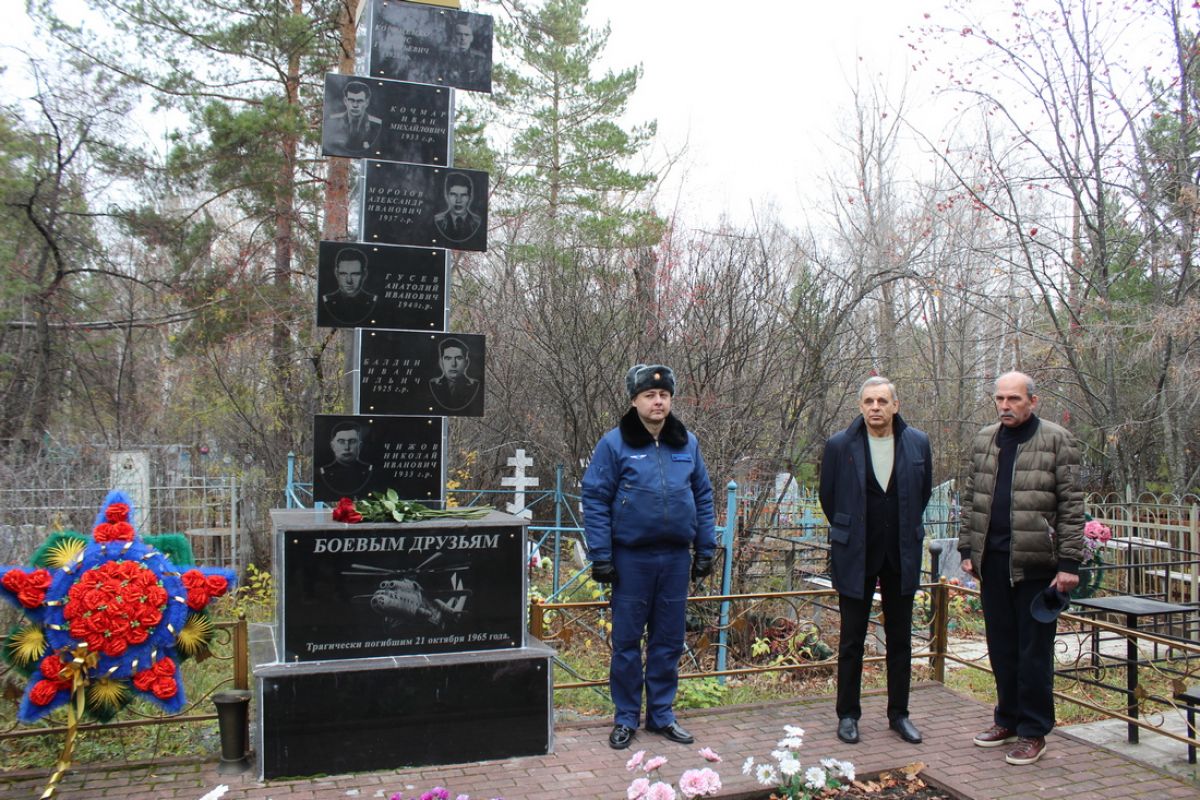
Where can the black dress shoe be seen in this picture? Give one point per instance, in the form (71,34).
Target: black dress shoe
(848,730)
(674,732)
(908,732)
(620,737)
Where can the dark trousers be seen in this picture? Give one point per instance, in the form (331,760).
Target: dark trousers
(1020,648)
(649,599)
(897,630)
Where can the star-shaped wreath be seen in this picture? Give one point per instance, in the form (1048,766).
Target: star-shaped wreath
(109,617)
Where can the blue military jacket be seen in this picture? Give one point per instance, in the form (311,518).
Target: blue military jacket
(638,492)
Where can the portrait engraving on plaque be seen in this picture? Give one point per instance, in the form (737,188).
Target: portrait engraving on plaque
(426,206)
(429,45)
(410,373)
(380,286)
(350,303)
(385,119)
(351,124)
(357,455)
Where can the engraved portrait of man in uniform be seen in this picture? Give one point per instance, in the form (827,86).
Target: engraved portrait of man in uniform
(351,303)
(354,130)
(458,222)
(453,390)
(346,474)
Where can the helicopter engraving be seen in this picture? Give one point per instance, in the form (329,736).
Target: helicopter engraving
(401,599)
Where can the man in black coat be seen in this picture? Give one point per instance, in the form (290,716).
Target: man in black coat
(876,478)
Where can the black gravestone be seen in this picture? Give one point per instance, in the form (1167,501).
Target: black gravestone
(430,45)
(426,206)
(386,714)
(358,455)
(380,286)
(374,589)
(370,118)
(401,372)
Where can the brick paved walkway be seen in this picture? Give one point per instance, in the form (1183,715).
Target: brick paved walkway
(583,766)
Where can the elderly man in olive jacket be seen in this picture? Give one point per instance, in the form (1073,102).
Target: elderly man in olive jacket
(1022,531)
(876,478)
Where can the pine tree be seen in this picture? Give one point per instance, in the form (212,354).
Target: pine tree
(570,153)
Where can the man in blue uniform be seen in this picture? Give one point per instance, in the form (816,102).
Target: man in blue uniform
(648,518)
(876,478)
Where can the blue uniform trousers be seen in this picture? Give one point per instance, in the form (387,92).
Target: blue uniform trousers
(649,598)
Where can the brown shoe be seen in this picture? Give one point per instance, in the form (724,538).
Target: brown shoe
(1028,750)
(995,736)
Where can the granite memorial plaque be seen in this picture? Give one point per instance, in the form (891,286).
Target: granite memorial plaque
(411,42)
(425,206)
(370,118)
(402,372)
(380,286)
(357,455)
(356,591)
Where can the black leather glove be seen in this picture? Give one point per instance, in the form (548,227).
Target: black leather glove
(701,567)
(604,572)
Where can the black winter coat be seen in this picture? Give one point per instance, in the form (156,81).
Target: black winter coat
(844,501)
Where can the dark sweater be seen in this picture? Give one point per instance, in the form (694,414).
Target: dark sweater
(999,536)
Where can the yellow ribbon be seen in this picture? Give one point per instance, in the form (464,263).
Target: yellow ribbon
(78,668)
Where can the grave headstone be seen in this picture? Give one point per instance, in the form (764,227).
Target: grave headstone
(389,120)
(356,455)
(416,204)
(376,589)
(380,286)
(950,562)
(403,372)
(427,45)
(129,471)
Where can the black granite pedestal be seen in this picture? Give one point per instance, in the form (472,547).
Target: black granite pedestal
(398,645)
(388,713)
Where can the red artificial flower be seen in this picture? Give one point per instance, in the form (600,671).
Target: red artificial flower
(202,588)
(112,606)
(159,680)
(29,587)
(344,512)
(52,667)
(113,532)
(117,512)
(43,692)
(164,688)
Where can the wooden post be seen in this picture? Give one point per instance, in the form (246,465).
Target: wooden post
(537,624)
(941,628)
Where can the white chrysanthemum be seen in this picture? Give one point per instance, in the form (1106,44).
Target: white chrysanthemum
(780,755)
(846,770)
(792,730)
(814,778)
(791,743)
(748,765)
(765,775)
(789,766)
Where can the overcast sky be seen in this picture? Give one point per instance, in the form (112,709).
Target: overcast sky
(754,97)
(756,93)
(753,93)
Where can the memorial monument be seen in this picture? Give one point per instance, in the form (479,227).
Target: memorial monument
(400,644)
